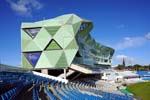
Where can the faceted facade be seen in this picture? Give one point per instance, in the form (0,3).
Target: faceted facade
(58,42)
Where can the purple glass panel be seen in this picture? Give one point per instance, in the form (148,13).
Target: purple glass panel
(32,31)
(33,57)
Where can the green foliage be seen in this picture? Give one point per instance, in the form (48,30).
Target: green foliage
(119,67)
(136,67)
(124,84)
(141,90)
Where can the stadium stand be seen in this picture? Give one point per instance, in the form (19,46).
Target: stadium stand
(45,49)
(30,86)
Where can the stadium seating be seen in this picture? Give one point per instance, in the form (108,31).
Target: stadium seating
(13,84)
(35,92)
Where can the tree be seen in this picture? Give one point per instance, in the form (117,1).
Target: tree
(119,67)
(137,66)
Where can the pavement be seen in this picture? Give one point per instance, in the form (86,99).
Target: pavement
(107,86)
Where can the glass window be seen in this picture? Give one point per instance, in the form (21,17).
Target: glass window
(53,45)
(32,31)
(32,57)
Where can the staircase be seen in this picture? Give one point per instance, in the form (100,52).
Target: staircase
(81,68)
(70,72)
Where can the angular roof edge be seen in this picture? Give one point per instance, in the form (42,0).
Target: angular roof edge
(40,23)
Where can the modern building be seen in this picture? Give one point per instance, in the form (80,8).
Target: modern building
(59,42)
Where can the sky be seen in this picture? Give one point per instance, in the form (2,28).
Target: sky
(121,24)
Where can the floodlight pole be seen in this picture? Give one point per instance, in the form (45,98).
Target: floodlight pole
(0,66)
(64,73)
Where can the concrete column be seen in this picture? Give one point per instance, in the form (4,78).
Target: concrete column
(64,73)
(44,71)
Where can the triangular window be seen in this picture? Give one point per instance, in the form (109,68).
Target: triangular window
(53,45)
(32,57)
(32,32)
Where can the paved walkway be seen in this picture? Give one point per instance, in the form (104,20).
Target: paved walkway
(108,86)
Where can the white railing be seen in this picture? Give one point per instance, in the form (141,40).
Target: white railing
(50,77)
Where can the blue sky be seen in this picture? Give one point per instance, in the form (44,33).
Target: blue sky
(121,24)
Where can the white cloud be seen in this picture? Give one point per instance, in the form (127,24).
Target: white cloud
(25,7)
(147,36)
(128,60)
(128,42)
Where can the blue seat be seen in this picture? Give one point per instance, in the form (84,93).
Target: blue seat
(35,92)
(49,93)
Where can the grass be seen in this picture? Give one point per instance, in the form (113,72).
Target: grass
(140,90)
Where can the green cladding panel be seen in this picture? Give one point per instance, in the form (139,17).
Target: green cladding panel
(54,43)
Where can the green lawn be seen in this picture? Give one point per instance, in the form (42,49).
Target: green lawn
(141,90)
